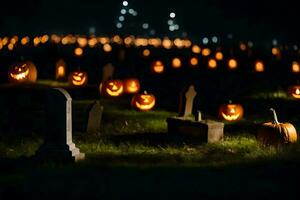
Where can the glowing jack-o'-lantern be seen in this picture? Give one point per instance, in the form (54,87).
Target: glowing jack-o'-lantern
(78,78)
(231,112)
(194,62)
(60,69)
(212,63)
(157,67)
(113,88)
(22,72)
(144,101)
(131,85)
(219,55)
(295,91)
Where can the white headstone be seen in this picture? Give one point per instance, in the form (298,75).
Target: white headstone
(58,144)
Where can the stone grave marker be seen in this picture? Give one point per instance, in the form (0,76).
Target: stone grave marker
(187,97)
(107,72)
(94,118)
(207,131)
(58,144)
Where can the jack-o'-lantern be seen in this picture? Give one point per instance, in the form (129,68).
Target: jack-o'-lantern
(143,101)
(176,63)
(276,133)
(131,85)
(232,63)
(231,112)
(219,55)
(78,78)
(60,69)
(259,66)
(206,52)
(113,88)
(22,72)
(157,67)
(295,91)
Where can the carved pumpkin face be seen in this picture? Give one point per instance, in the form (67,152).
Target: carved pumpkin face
(157,67)
(131,86)
(22,72)
(113,88)
(295,91)
(143,102)
(78,78)
(296,67)
(176,63)
(231,112)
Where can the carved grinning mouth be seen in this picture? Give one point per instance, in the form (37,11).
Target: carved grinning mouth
(20,76)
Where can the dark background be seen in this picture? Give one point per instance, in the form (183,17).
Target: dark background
(258,20)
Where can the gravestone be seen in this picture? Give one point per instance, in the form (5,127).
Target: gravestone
(107,72)
(58,145)
(207,131)
(94,118)
(187,97)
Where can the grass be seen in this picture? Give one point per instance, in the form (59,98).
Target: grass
(135,156)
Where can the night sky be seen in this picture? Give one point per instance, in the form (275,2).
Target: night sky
(256,20)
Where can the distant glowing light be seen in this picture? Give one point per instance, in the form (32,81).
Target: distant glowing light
(295,47)
(146,52)
(119,25)
(243,46)
(259,66)
(170,22)
(145,25)
(229,36)
(125,3)
(176,63)
(296,67)
(232,63)
(275,51)
(131,11)
(123,11)
(206,52)
(196,49)
(212,63)
(135,13)
(205,40)
(219,56)
(152,32)
(171,28)
(194,61)
(172,15)
(78,51)
(274,42)
(121,18)
(176,27)
(107,48)
(214,39)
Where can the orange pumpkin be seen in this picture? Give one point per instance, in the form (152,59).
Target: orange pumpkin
(275,133)
(113,88)
(295,91)
(143,101)
(231,112)
(232,63)
(22,72)
(131,85)
(157,67)
(78,78)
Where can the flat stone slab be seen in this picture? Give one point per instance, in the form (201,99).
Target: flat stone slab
(208,131)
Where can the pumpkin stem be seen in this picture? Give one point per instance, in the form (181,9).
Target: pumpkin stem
(274,115)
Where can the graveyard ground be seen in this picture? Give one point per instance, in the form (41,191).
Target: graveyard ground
(135,157)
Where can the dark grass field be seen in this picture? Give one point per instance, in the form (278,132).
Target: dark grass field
(134,156)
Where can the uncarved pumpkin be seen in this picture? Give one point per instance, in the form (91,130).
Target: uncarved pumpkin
(276,133)
(22,72)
